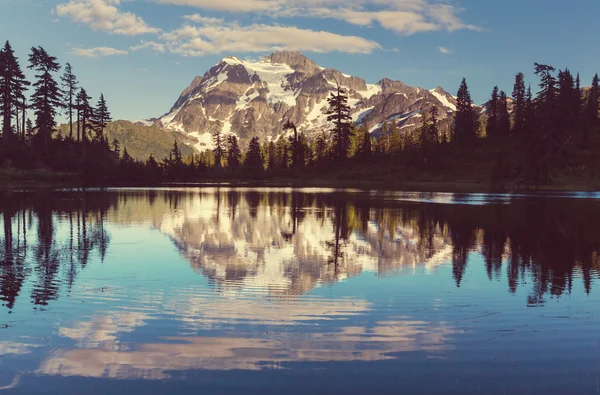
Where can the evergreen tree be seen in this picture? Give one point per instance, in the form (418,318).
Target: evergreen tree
(254,160)
(295,145)
(176,155)
(126,159)
(102,118)
(70,85)
(321,147)
(272,156)
(491,128)
(365,146)
(234,155)
(503,127)
(47,97)
(519,97)
(465,121)
(29,128)
(569,101)
(116,147)
(12,89)
(433,130)
(395,142)
(86,112)
(219,150)
(282,152)
(339,114)
(425,142)
(593,104)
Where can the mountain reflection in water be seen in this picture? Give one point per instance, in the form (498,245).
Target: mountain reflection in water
(90,263)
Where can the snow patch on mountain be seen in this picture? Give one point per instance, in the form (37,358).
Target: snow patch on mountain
(443,99)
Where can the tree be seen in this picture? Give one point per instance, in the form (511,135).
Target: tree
(176,154)
(503,126)
(491,128)
(339,114)
(12,89)
(234,155)
(101,118)
(593,104)
(271,156)
(29,128)
(282,153)
(116,147)
(519,97)
(433,130)
(295,145)
(86,115)
(47,96)
(218,150)
(70,85)
(364,140)
(321,147)
(465,121)
(254,160)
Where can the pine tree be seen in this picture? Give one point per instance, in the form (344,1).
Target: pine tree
(126,159)
(282,152)
(218,150)
(116,146)
(70,85)
(47,97)
(519,97)
(339,114)
(295,145)
(593,104)
(102,118)
(272,156)
(321,147)
(176,155)
(425,143)
(12,89)
(491,128)
(503,127)
(465,121)
(569,101)
(234,155)
(86,115)
(365,146)
(29,128)
(433,130)
(254,160)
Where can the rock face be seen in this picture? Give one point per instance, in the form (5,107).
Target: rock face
(256,98)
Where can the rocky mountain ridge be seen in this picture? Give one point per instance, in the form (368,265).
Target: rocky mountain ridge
(249,98)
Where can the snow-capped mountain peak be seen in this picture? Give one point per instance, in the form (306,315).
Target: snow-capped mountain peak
(255,98)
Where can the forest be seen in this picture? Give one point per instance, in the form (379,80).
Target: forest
(525,140)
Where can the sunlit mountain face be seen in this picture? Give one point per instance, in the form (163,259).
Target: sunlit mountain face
(168,284)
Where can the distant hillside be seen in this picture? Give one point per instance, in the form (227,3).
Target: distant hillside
(141,140)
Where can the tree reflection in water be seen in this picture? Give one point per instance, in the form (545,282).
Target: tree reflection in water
(231,235)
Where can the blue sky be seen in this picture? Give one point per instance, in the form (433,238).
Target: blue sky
(142,53)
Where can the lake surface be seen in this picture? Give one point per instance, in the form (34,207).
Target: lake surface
(298,291)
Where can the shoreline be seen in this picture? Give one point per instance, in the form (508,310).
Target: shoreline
(41,179)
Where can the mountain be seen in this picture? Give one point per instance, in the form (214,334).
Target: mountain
(255,98)
(142,140)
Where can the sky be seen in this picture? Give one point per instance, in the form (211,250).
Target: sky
(142,53)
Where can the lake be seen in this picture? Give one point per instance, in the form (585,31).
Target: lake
(298,291)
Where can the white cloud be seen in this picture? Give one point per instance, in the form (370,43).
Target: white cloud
(104,15)
(197,18)
(401,16)
(233,38)
(445,50)
(97,51)
(154,46)
(227,5)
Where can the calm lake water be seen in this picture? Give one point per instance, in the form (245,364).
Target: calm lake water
(298,291)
